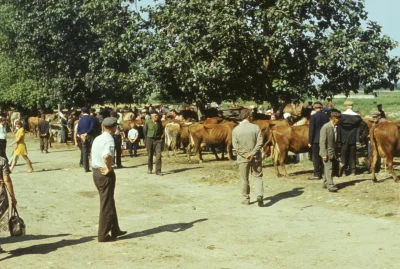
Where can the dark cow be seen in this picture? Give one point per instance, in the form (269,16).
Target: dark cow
(212,135)
(285,139)
(385,142)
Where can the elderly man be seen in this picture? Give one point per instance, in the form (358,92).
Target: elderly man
(104,178)
(247,141)
(152,130)
(44,133)
(317,120)
(349,124)
(327,145)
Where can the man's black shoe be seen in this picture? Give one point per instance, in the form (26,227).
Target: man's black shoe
(159,174)
(120,166)
(120,233)
(260,201)
(87,171)
(108,239)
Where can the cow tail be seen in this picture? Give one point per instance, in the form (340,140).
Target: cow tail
(191,137)
(375,145)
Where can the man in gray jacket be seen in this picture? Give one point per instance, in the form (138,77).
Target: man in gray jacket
(247,141)
(327,150)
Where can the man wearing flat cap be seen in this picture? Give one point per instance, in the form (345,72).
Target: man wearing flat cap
(377,118)
(348,130)
(85,131)
(317,120)
(247,141)
(328,144)
(152,130)
(104,178)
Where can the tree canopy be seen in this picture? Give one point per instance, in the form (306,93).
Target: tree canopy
(79,52)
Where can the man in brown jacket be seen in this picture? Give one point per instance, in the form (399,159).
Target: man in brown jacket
(247,141)
(327,150)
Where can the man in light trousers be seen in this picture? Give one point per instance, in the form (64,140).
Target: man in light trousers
(247,141)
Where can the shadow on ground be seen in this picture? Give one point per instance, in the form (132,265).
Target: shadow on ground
(283,195)
(172,228)
(43,249)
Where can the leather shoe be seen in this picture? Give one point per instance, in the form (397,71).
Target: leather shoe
(246,202)
(107,239)
(333,189)
(119,233)
(159,174)
(87,171)
(260,201)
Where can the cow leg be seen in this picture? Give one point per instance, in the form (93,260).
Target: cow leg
(374,160)
(389,161)
(229,150)
(198,154)
(215,153)
(188,153)
(275,158)
(282,158)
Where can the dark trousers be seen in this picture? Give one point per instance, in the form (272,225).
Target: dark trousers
(108,219)
(86,148)
(154,146)
(348,156)
(44,143)
(317,160)
(118,143)
(3,151)
(134,147)
(79,140)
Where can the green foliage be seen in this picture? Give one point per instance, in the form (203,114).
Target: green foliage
(266,50)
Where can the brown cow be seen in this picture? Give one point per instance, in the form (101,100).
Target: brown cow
(285,139)
(385,141)
(34,121)
(212,135)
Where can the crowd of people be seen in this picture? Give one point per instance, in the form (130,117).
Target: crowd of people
(333,139)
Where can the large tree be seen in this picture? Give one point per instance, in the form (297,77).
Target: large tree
(73,48)
(274,50)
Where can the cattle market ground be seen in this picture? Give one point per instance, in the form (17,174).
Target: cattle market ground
(192,218)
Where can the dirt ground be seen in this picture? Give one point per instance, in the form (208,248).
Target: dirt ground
(192,218)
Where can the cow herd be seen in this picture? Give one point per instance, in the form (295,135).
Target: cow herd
(279,138)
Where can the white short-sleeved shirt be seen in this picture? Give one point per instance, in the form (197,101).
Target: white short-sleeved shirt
(133,133)
(102,145)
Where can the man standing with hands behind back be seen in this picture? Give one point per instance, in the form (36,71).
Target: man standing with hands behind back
(152,132)
(104,178)
(85,132)
(44,131)
(327,150)
(247,141)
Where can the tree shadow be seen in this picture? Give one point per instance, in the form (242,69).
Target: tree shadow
(181,170)
(43,249)
(349,183)
(30,237)
(172,228)
(283,195)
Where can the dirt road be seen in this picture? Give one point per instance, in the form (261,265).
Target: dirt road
(182,221)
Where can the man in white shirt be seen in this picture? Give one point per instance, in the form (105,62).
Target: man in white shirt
(133,136)
(104,178)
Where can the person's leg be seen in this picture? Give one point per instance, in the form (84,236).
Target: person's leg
(244,169)
(118,151)
(150,153)
(317,161)
(115,230)
(130,148)
(352,158)
(41,143)
(135,147)
(85,154)
(28,162)
(328,168)
(258,178)
(46,144)
(343,158)
(104,187)
(79,140)
(158,150)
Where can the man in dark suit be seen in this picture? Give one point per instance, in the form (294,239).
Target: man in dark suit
(85,130)
(349,124)
(44,128)
(328,143)
(316,122)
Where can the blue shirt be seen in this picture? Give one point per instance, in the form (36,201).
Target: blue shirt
(86,125)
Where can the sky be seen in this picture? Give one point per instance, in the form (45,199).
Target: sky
(385,12)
